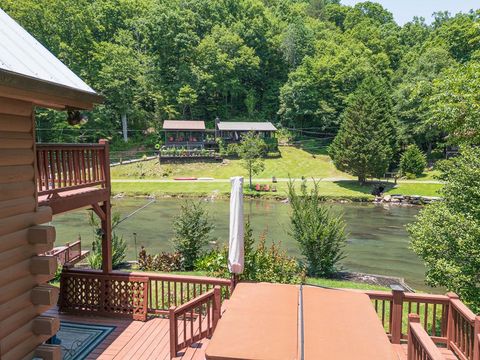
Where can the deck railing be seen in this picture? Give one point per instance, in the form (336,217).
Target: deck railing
(165,291)
(71,166)
(420,345)
(444,318)
(133,295)
(70,253)
(194,320)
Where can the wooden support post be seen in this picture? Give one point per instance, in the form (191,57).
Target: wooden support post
(107,238)
(476,339)
(450,319)
(412,318)
(397,313)
(173,332)
(217,305)
(106,208)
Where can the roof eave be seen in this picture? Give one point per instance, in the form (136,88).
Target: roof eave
(44,93)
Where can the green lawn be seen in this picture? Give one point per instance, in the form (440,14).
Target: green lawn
(292,163)
(329,189)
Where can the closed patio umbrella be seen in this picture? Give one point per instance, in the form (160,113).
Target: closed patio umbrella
(235,241)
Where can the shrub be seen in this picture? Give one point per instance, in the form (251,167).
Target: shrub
(413,161)
(192,230)
(320,235)
(232,150)
(284,136)
(446,233)
(262,263)
(160,262)
(119,245)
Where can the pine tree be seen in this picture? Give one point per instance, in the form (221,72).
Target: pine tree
(366,141)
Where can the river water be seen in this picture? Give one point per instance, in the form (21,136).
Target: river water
(377,241)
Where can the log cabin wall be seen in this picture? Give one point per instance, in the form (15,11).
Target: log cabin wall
(24,293)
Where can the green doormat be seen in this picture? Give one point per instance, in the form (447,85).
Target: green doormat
(78,340)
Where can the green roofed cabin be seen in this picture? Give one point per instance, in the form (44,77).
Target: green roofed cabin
(231,131)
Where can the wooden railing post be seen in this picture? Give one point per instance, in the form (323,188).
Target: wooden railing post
(397,313)
(450,319)
(412,318)
(476,339)
(217,305)
(173,332)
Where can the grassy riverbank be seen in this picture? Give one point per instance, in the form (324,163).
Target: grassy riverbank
(331,190)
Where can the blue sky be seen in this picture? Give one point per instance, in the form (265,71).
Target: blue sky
(405,10)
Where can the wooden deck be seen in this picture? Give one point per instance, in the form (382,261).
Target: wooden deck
(137,340)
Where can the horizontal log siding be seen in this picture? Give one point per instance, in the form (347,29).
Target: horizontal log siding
(18,212)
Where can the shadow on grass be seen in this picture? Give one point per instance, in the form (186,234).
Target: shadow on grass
(314,146)
(367,188)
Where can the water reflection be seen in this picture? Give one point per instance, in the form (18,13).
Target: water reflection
(377,242)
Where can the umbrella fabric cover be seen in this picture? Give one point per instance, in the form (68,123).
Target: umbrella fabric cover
(235,241)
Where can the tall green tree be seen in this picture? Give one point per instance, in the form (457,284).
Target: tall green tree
(366,142)
(251,150)
(445,234)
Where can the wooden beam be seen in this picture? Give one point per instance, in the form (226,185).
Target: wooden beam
(15,123)
(20,285)
(17,206)
(16,174)
(45,295)
(46,325)
(60,204)
(16,190)
(98,210)
(17,157)
(15,107)
(45,93)
(41,234)
(43,265)
(48,352)
(107,238)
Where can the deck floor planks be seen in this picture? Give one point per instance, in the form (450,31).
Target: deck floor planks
(148,340)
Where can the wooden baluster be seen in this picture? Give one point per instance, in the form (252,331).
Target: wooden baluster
(209,324)
(425,318)
(94,164)
(411,351)
(64,167)
(173,332)
(451,319)
(396,313)
(434,320)
(476,339)
(217,306)
(59,169)
(84,170)
(163,295)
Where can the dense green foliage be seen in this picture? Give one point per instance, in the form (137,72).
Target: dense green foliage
(192,231)
(413,161)
(295,62)
(366,142)
(262,262)
(119,245)
(320,235)
(160,262)
(251,150)
(445,234)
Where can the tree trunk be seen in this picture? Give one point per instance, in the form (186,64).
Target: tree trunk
(250,175)
(124,127)
(361,179)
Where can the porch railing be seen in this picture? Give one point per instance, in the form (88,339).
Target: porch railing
(133,295)
(444,318)
(165,291)
(194,320)
(420,345)
(70,253)
(63,167)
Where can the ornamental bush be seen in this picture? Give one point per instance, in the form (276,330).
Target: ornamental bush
(262,262)
(192,230)
(119,245)
(320,235)
(413,161)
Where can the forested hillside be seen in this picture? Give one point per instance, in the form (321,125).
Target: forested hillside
(293,62)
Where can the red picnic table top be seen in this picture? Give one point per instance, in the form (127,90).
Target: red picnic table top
(263,321)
